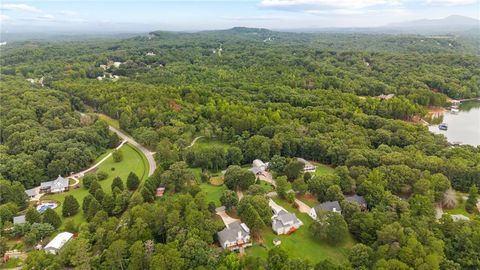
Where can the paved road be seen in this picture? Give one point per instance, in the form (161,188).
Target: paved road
(145,151)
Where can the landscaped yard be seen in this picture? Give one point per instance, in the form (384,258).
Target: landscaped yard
(323,169)
(213,192)
(460,209)
(133,161)
(301,243)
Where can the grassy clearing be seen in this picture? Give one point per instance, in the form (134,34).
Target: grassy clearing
(112,122)
(460,209)
(209,142)
(213,192)
(216,180)
(12,263)
(133,161)
(308,199)
(323,169)
(301,243)
(268,187)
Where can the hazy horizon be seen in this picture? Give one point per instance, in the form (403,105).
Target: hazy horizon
(57,16)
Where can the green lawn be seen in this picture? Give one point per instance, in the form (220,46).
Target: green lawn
(133,161)
(460,209)
(308,199)
(323,169)
(301,243)
(209,142)
(12,263)
(265,185)
(112,122)
(213,192)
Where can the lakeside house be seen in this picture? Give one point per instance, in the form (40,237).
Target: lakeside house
(360,200)
(19,220)
(329,206)
(309,167)
(58,242)
(283,222)
(56,186)
(235,236)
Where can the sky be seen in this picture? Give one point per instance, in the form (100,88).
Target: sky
(181,15)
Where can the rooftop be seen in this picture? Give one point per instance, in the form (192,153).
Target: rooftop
(59,240)
(329,206)
(232,232)
(19,219)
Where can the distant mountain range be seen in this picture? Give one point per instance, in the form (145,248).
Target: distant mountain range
(454,24)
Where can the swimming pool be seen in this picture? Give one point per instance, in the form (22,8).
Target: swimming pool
(42,207)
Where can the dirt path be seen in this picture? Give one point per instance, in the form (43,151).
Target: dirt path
(194,141)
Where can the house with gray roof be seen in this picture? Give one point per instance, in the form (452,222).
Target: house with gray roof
(32,192)
(19,220)
(58,185)
(360,200)
(235,236)
(258,167)
(329,206)
(283,222)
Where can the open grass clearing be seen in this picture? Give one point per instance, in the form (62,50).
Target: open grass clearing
(213,192)
(133,161)
(323,169)
(301,244)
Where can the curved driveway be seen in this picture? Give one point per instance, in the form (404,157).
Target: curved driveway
(148,154)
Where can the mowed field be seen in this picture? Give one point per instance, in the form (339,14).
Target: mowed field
(300,244)
(133,161)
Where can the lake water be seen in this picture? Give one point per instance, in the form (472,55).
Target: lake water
(463,126)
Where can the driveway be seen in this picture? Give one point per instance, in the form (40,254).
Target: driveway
(267,177)
(148,154)
(227,220)
(302,207)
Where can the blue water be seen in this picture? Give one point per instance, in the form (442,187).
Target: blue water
(43,207)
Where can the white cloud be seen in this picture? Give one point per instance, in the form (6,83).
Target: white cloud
(5,18)
(451,2)
(20,7)
(68,13)
(250,18)
(46,17)
(326,4)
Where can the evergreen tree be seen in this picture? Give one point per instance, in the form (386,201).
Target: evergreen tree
(86,202)
(52,218)
(117,155)
(132,181)
(93,207)
(117,182)
(70,206)
(94,186)
(471,203)
(33,216)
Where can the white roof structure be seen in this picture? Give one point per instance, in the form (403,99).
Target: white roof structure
(57,185)
(19,219)
(58,242)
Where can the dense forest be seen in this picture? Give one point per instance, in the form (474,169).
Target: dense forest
(267,95)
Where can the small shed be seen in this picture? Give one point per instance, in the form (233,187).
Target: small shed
(160,192)
(19,220)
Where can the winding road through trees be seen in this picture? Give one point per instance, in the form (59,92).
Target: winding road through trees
(148,154)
